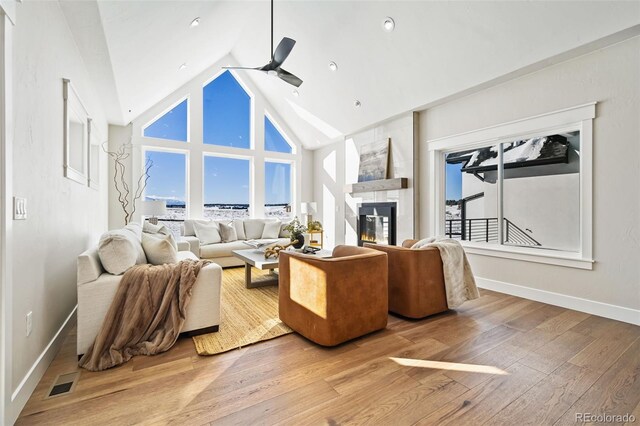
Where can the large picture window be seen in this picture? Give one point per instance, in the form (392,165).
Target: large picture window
(226,113)
(226,187)
(168,182)
(277,186)
(524,194)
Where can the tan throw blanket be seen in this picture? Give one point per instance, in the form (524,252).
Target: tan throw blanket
(146,314)
(459,283)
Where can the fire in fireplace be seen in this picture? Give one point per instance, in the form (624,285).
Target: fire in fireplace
(377,223)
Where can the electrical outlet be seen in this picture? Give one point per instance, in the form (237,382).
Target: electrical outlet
(29,323)
(19,208)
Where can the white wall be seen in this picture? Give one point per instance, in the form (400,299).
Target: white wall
(337,164)
(610,77)
(133,133)
(64,217)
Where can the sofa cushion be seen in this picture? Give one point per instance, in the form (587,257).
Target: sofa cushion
(253,228)
(187,227)
(150,228)
(228,233)
(160,249)
(239,225)
(271,229)
(121,249)
(212,251)
(207,233)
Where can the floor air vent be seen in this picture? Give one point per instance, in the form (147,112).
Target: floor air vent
(63,384)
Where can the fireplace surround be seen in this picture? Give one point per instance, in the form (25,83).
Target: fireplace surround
(377,223)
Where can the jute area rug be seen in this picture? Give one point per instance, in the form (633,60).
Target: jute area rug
(247,315)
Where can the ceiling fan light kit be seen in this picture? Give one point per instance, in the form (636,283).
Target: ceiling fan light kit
(278,56)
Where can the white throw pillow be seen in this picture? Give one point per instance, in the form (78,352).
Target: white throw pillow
(160,249)
(253,228)
(271,229)
(423,242)
(207,233)
(228,233)
(188,229)
(283,232)
(119,250)
(239,225)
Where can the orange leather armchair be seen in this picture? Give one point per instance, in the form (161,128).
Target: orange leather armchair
(332,300)
(416,280)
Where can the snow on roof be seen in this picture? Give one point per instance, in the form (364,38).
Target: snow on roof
(523,153)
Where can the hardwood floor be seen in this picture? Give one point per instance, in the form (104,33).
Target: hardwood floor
(555,363)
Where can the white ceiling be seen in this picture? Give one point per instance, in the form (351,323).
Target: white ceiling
(133,50)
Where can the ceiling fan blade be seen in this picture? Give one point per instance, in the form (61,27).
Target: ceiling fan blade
(288,77)
(242,68)
(282,51)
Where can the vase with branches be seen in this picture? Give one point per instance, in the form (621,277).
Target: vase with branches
(126,197)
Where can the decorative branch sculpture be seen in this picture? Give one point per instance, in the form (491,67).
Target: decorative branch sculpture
(126,199)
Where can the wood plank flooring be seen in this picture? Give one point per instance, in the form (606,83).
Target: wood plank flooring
(555,363)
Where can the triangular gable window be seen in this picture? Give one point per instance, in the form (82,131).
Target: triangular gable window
(173,125)
(226,113)
(273,139)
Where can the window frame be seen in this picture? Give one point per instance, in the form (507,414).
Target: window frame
(578,118)
(162,114)
(186,152)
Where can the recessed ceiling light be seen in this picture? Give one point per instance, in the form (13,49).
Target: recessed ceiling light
(182,66)
(333,66)
(357,103)
(388,24)
(195,22)
(296,93)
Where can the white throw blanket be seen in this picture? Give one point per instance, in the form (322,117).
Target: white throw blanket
(459,283)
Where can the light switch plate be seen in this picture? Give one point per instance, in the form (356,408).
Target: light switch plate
(19,208)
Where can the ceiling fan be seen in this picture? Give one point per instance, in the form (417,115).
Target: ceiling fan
(277,58)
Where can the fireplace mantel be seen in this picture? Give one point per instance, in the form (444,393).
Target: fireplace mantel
(377,185)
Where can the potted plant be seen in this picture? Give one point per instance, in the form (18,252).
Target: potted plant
(296,231)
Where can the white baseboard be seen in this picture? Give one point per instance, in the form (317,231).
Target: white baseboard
(606,310)
(28,384)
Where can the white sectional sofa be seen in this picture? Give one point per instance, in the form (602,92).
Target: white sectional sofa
(220,252)
(97,288)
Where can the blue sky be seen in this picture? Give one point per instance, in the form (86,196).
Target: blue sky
(277,184)
(273,140)
(453,181)
(172,125)
(227,111)
(167,176)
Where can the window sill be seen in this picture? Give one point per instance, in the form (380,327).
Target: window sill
(549,257)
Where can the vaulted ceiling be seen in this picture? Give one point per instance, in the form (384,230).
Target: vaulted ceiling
(133,50)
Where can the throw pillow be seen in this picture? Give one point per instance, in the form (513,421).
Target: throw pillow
(253,228)
(119,250)
(423,242)
(239,225)
(271,230)
(228,233)
(160,249)
(207,233)
(283,232)
(151,228)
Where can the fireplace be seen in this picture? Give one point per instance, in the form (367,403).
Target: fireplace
(377,223)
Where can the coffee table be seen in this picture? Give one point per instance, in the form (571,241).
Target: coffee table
(255,258)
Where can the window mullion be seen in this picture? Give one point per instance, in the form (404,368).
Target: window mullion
(500,224)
